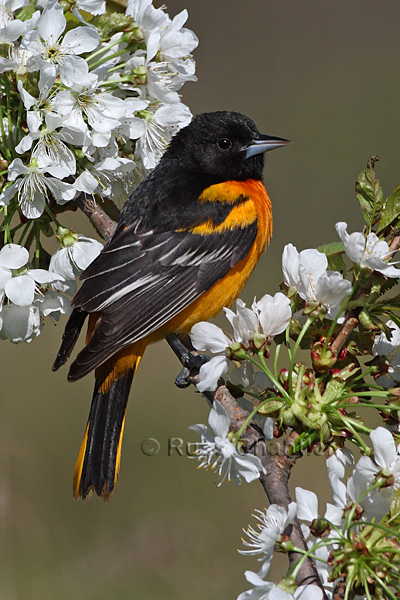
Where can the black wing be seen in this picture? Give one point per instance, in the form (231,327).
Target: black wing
(141,280)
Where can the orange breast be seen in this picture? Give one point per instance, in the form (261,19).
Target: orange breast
(225,291)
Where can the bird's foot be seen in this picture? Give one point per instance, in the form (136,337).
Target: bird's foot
(190,360)
(191,369)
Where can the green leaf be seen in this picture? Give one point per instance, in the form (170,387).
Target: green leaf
(334,252)
(391,210)
(369,193)
(330,249)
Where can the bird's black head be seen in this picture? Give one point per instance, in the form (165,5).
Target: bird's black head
(222,146)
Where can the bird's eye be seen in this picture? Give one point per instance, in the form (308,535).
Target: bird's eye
(224,144)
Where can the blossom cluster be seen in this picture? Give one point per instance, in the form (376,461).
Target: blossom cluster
(354,546)
(89,101)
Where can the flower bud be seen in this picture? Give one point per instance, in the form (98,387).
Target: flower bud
(66,237)
(322,360)
(320,527)
(235,351)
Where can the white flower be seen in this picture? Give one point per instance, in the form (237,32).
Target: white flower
(391,349)
(368,252)
(11,29)
(25,283)
(307,272)
(106,177)
(274,313)
(75,255)
(160,126)
(220,455)
(101,109)
(56,55)
(20,323)
(269,316)
(386,457)
(307,509)
(18,57)
(145,15)
(53,304)
(270,526)
(50,147)
(176,41)
(32,185)
(37,108)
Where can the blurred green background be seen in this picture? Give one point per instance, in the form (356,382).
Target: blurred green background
(324,74)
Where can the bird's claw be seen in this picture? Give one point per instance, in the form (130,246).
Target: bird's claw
(191,368)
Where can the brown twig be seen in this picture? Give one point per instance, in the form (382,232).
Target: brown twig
(103,224)
(341,338)
(394,245)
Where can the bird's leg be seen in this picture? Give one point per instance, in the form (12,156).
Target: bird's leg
(190,359)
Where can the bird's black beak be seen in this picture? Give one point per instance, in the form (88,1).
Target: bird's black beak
(264,143)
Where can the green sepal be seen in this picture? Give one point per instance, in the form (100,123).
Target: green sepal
(270,407)
(304,441)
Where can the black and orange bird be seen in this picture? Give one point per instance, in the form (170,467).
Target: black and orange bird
(186,242)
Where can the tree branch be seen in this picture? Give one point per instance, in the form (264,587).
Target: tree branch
(104,225)
(275,481)
(341,338)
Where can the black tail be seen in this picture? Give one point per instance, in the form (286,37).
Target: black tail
(97,466)
(70,336)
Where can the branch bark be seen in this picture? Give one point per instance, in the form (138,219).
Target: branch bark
(104,225)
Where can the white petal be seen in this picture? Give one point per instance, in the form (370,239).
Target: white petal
(210,372)
(384,447)
(20,324)
(74,69)
(207,336)
(354,244)
(21,290)
(307,504)
(86,182)
(275,313)
(290,265)
(61,264)
(248,466)
(13,256)
(17,168)
(80,40)
(218,419)
(382,346)
(52,23)
(42,276)
(84,251)
(331,289)
(308,592)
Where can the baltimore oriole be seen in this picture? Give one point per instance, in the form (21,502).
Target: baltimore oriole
(186,242)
